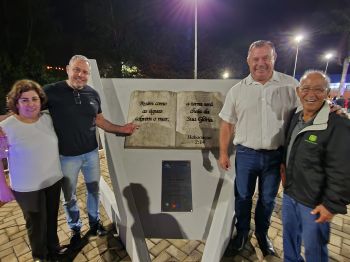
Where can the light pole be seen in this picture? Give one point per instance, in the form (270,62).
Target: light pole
(327,56)
(195,37)
(297,39)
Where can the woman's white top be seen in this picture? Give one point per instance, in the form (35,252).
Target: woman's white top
(33,153)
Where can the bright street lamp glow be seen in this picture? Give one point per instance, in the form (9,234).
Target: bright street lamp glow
(298,38)
(225,75)
(328,56)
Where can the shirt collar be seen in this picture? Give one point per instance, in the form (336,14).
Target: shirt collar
(321,116)
(301,119)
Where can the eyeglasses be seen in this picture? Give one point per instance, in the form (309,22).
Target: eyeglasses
(317,91)
(76,95)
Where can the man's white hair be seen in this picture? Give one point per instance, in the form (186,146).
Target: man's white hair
(321,73)
(80,57)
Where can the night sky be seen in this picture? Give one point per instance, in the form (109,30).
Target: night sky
(236,23)
(160,32)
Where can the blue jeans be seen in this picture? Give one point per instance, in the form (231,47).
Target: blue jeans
(251,165)
(298,225)
(89,164)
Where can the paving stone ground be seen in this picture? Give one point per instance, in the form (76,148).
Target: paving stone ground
(14,245)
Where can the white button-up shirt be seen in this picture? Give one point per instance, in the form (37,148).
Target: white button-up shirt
(260,112)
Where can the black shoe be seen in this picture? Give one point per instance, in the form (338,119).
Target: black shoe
(98,230)
(236,245)
(75,240)
(60,250)
(239,241)
(265,244)
(57,254)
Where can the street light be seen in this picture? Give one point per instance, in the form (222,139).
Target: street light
(195,37)
(297,39)
(225,75)
(327,56)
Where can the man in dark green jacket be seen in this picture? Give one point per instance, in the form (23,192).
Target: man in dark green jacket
(316,176)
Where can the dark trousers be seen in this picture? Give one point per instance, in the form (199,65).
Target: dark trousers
(251,165)
(40,211)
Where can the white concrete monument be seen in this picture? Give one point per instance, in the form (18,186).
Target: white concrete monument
(136,172)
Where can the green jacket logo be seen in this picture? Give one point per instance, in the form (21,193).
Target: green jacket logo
(312,139)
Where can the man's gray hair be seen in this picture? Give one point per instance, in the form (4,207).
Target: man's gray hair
(262,43)
(80,57)
(327,80)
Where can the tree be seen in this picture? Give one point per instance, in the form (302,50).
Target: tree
(22,47)
(109,33)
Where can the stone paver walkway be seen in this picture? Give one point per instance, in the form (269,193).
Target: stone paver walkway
(14,241)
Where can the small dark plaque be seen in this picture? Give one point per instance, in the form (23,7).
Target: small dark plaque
(176,186)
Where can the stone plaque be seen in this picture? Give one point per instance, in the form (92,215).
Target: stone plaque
(198,122)
(155,112)
(187,119)
(176,186)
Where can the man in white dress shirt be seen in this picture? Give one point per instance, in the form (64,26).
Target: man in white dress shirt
(255,111)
